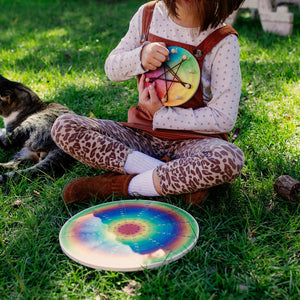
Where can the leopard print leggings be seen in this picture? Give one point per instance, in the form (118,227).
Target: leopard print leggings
(195,164)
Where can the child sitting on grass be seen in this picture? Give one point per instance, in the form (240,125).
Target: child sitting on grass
(193,136)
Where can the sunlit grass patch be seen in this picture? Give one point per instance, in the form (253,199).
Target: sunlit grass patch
(249,243)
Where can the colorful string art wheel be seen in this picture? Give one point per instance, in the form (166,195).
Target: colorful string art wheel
(128,235)
(177,80)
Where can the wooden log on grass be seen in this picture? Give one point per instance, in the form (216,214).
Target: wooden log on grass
(288,188)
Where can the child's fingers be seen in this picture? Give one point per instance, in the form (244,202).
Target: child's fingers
(145,94)
(153,55)
(164,51)
(141,85)
(152,93)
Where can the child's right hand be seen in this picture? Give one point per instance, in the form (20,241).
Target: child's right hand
(148,100)
(153,55)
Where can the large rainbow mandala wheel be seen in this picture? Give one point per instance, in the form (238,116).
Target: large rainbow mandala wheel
(129,235)
(177,80)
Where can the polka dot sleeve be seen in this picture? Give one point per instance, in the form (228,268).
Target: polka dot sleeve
(124,61)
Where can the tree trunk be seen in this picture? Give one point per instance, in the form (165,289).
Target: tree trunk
(288,188)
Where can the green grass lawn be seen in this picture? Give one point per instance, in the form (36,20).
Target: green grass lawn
(249,243)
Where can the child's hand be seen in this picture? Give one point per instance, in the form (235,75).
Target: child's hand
(153,55)
(148,100)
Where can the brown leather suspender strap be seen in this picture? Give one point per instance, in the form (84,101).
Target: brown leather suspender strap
(147,17)
(214,38)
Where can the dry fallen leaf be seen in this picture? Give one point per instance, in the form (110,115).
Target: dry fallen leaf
(132,287)
(92,114)
(18,203)
(271,205)
(101,297)
(36,192)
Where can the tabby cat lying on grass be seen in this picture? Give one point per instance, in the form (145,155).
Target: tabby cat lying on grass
(28,121)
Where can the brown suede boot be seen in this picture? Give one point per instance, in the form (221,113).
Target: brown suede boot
(197,198)
(86,188)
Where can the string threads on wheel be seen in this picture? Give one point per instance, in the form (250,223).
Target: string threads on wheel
(177,80)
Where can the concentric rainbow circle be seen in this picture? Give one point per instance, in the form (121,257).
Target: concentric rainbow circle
(129,235)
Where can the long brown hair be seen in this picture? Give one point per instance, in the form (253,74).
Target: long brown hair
(210,13)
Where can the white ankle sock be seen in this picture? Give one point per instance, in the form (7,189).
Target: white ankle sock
(142,185)
(138,162)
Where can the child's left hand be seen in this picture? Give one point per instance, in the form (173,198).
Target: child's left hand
(148,100)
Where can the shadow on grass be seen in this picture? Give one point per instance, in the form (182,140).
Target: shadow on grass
(61,34)
(103,101)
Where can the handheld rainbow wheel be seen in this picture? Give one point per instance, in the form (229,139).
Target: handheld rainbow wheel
(177,80)
(129,235)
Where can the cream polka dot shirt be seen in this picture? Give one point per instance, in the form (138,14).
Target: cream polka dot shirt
(221,76)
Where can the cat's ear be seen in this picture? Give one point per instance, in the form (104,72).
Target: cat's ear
(6,99)
(34,97)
